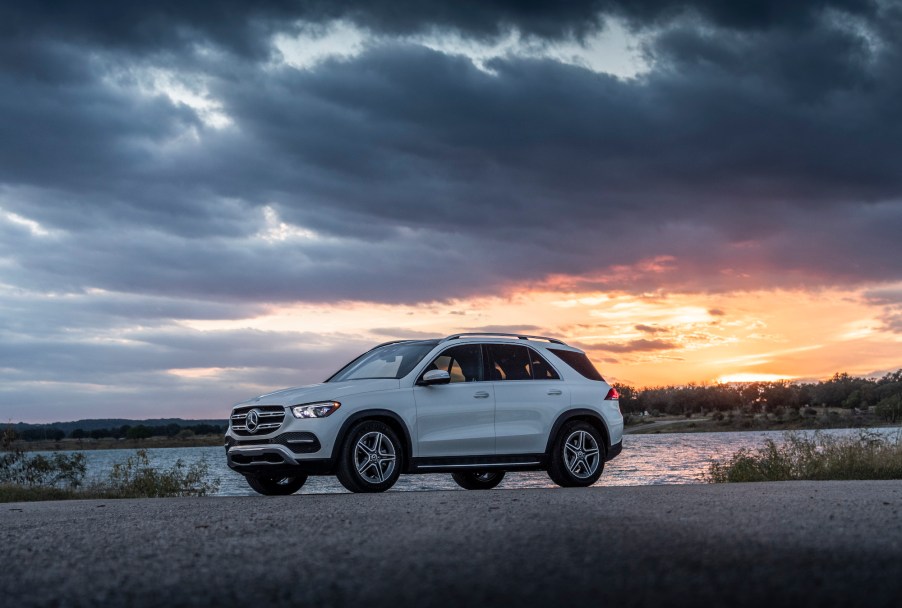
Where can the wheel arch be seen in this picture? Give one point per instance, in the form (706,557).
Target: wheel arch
(386,416)
(587,415)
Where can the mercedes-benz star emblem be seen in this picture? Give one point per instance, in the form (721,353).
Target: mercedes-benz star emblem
(252,421)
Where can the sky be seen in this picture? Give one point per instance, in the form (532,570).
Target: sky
(201,202)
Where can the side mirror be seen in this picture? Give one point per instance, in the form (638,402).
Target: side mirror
(435,376)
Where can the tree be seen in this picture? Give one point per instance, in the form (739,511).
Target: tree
(139,432)
(628,401)
(890,408)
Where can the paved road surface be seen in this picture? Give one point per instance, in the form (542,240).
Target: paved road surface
(794,544)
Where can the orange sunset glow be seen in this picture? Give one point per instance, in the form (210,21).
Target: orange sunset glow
(644,340)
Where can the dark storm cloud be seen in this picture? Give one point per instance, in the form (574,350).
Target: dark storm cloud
(890,298)
(165,348)
(243,27)
(74,371)
(37,314)
(760,149)
(728,144)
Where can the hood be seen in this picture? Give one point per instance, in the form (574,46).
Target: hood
(324,391)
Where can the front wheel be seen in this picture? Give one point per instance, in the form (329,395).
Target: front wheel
(371,458)
(577,457)
(273,485)
(478,480)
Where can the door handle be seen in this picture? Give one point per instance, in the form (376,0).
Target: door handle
(555,391)
(481,395)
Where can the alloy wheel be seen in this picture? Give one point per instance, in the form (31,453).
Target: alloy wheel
(581,454)
(374,457)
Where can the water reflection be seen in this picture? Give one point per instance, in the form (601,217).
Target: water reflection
(674,458)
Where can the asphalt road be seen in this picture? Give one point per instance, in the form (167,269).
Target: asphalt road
(793,544)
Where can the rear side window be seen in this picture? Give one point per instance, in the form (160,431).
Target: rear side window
(580,362)
(508,362)
(541,370)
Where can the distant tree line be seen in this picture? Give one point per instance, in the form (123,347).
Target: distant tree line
(842,391)
(140,431)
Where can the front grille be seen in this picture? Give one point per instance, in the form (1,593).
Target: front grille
(270,418)
(299,443)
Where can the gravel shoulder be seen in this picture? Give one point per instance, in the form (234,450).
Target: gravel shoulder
(792,543)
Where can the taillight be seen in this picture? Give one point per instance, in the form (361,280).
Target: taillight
(612,395)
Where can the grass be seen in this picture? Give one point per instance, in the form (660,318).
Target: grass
(25,477)
(867,455)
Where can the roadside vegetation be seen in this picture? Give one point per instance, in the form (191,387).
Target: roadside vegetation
(25,477)
(867,455)
(92,429)
(48,437)
(110,443)
(841,401)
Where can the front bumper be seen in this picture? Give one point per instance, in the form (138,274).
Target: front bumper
(294,450)
(274,459)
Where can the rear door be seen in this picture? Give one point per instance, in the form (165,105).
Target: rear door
(529,395)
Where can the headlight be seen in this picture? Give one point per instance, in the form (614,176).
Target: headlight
(315,410)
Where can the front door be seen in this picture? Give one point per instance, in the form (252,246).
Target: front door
(456,419)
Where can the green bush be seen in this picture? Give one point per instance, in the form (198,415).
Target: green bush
(867,455)
(137,478)
(58,470)
(61,476)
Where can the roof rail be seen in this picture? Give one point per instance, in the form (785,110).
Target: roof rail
(502,335)
(391,342)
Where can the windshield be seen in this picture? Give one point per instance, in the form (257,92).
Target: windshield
(389,361)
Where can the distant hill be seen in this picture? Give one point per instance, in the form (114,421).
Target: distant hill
(110,423)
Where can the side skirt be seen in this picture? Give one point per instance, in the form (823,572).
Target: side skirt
(504,462)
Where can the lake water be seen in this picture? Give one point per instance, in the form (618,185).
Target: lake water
(666,458)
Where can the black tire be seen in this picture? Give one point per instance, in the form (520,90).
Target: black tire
(274,485)
(369,463)
(575,461)
(478,480)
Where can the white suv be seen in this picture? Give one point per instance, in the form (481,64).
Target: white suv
(473,405)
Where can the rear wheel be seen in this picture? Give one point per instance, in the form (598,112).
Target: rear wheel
(371,458)
(273,485)
(478,480)
(577,457)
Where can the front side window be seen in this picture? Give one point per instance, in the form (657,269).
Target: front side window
(508,362)
(463,363)
(389,361)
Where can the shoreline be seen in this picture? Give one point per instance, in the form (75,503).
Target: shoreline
(109,443)
(652,427)
(744,424)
